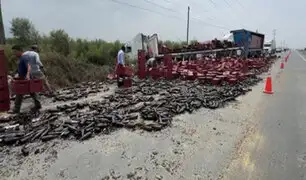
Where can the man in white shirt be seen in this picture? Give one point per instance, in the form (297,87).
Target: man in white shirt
(120,56)
(120,66)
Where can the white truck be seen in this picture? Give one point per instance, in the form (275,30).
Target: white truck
(270,47)
(142,42)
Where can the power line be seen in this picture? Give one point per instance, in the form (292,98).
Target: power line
(144,9)
(167,1)
(209,24)
(162,7)
(239,3)
(213,3)
(165,8)
(188,13)
(176,17)
(203,22)
(229,5)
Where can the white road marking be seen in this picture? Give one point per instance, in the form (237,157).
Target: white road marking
(301,56)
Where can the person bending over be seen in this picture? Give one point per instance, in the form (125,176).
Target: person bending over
(24,73)
(37,68)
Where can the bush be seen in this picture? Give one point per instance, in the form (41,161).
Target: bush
(66,60)
(63,71)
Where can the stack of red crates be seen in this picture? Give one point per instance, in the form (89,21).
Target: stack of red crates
(141,64)
(4,89)
(169,66)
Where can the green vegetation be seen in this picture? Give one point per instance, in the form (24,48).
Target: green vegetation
(66,60)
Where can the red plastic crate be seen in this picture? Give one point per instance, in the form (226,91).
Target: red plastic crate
(3,63)
(3,81)
(127,82)
(36,85)
(27,86)
(128,71)
(3,70)
(21,87)
(4,93)
(4,105)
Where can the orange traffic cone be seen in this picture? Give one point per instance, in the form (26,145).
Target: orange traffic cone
(268,87)
(282,65)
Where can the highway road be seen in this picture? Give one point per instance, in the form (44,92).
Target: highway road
(258,137)
(277,148)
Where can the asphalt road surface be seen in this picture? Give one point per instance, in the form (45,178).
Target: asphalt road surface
(260,137)
(277,148)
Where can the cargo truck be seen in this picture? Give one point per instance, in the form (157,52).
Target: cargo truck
(270,47)
(142,42)
(251,42)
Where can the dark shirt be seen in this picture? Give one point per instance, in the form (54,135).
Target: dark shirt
(23,66)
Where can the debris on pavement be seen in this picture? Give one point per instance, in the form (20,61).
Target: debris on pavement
(148,105)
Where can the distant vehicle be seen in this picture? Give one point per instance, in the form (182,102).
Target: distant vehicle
(270,47)
(279,50)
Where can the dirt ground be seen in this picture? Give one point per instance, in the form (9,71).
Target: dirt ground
(197,146)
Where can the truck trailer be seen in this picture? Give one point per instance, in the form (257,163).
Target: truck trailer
(251,42)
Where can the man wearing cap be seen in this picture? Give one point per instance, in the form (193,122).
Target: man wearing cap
(37,69)
(24,72)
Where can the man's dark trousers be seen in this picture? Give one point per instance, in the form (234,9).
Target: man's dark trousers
(19,99)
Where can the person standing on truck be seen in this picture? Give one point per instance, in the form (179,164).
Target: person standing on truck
(37,68)
(120,66)
(24,73)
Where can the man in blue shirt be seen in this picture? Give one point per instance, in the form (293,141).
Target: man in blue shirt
(37,68)
(24,72)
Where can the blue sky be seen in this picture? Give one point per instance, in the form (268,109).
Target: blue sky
(110,21)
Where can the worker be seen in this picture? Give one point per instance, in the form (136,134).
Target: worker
(9,82)
(150,62)
(37,68)
(120,66)
(24,72)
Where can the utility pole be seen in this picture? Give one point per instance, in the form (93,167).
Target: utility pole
(2,34)
(274,34)
(188,12)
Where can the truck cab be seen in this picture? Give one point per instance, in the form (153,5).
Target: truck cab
(279,50)
(142,42)
(270,48)
(267,48)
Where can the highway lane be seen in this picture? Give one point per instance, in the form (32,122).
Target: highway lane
(197,146)
(277,148)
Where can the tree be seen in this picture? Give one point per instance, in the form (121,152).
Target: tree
(24,31)
(60,42)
